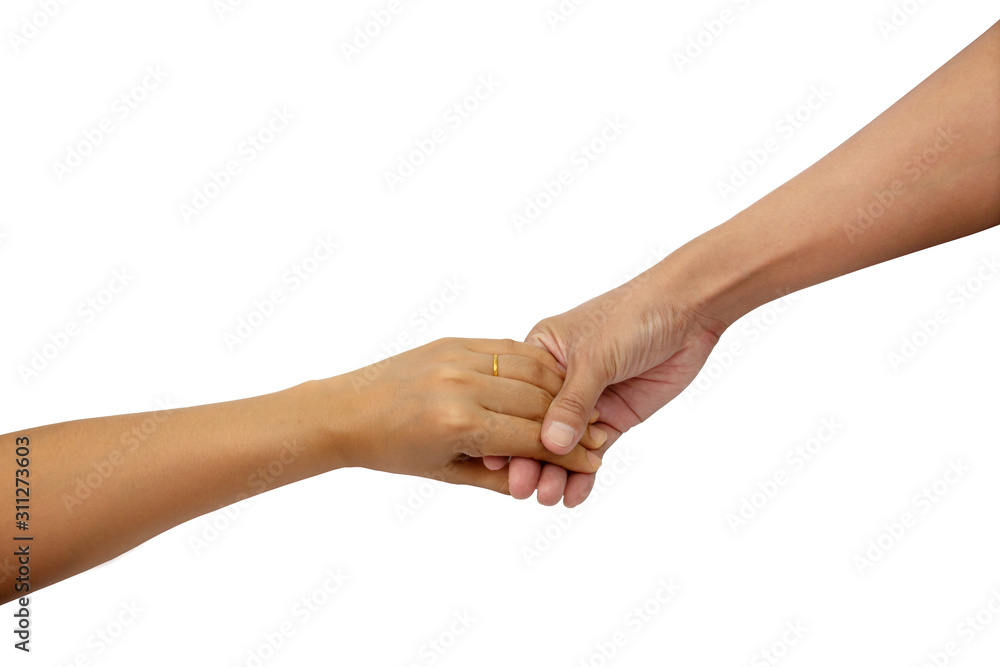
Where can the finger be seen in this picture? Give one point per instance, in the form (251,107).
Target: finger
(522,368)
(474,473)
(514,436)
(578,488)
(507,346)
(512,397)
(594,437)
(523,476)
(524,388)
(570,411)
(551,484)
(540,336)
(495,462)
(577,492)
(579,485)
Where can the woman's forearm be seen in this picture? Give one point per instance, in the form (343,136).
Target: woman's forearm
(99,487)
(95,488)
(924,172)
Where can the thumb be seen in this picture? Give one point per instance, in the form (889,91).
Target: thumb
(569,413)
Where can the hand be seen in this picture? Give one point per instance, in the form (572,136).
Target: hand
(436,410)
(628,352)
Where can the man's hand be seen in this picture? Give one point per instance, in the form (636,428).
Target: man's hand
(632,350)
(628,352)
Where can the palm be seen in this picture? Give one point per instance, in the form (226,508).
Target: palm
(627,403)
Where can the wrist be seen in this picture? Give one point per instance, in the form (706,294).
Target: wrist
(335,414)
(723,274)
(352,409)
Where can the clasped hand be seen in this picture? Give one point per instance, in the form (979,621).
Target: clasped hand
(437,410)
(559,400)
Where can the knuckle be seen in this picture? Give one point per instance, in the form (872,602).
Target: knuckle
(535,439)
(453,418)
(507,344)
(449,373)
(573,402)
(540,401)
(544,325)
(443,344)
(536,373)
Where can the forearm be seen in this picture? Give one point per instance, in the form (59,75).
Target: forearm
(99,487)
(924,172)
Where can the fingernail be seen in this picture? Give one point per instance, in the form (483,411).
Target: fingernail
(600,436)
(594,459)
(561,435)
(594,415)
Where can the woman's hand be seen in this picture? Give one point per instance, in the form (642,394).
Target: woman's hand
(432,411)
(437,410)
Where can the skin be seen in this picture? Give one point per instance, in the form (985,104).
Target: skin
(940,144)
(437,410)
(433,412)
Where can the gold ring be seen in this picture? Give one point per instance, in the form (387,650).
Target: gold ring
(495,373)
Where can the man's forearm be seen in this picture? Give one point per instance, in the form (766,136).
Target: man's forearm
(99,487)
(924,172)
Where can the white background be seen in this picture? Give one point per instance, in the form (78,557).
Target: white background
(663,515)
